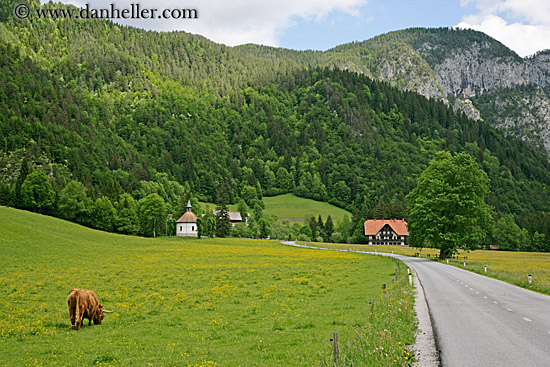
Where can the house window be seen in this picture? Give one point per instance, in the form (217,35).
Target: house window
(181,228)
(192,228)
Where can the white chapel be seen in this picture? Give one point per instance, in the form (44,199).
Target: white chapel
(187,224)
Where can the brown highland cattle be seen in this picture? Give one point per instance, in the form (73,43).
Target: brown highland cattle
(83,304)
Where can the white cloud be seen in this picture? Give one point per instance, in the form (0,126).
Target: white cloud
(237,21)
(533,11)
(522,25)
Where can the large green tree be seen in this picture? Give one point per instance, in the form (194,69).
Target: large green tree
(210,230)
(127,219)
(37,192)
(74,203)
(103,214)
(152,212)
(447,209)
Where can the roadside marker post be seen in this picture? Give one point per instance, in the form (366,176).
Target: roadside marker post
(485,268)
(530,279)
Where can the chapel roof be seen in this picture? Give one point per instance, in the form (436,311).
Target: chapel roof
(187,217)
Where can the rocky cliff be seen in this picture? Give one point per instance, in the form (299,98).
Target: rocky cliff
(461,66)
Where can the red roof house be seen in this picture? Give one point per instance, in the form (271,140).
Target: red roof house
(386,232)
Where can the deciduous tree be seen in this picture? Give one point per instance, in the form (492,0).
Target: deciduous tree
(447,209)
(74,202)
(103,214)
(152,214)
(127,218)
(37,192)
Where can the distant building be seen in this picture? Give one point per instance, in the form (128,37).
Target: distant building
(234,217)
(187,224)
(386,232)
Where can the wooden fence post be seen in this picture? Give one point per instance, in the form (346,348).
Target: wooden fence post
(335,347)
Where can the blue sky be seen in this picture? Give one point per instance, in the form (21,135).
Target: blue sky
(522,25)
(375,17)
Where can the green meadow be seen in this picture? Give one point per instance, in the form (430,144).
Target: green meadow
(295,209)
(208,302)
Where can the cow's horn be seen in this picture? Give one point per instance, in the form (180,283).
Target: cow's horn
(105,311)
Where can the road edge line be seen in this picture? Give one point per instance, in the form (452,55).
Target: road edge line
(426,351)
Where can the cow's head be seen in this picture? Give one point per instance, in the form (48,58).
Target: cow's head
(100,315)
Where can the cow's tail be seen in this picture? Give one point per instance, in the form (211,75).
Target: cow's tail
(77,310)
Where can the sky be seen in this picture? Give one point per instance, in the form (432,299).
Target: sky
(522,25)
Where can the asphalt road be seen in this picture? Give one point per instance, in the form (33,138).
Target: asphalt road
(479,321)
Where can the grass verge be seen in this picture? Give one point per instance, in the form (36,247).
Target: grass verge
(385,338)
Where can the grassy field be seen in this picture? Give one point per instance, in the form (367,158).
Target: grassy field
(209,302)
(508,266)
(295,209)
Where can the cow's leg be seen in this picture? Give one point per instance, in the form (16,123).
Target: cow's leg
(80,319)
(71,313)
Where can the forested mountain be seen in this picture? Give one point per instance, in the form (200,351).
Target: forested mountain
(119,113)
(463,68)
(466,69)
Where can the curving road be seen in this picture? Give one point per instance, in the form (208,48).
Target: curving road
(479,321)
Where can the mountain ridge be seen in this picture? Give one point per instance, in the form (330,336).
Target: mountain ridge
(453,65)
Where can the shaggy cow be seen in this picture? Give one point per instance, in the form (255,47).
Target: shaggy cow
(83,304)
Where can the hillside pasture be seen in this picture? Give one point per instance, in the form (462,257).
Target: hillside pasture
(208,302)
(295,209)
(292,208)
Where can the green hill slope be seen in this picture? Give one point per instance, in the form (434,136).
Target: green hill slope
(294,209)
